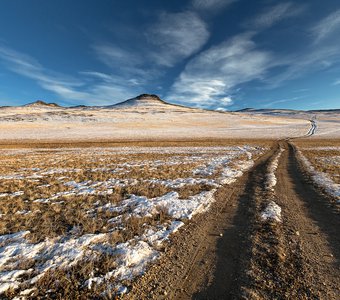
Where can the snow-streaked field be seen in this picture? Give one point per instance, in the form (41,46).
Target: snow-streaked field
(322,161)
(95,218)
(156,122)
(327,121)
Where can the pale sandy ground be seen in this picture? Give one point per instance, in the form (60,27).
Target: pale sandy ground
(328,126)
(148,118)
(162,122)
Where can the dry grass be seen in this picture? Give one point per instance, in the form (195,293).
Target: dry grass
(204,142)
(325,161)
(78,214)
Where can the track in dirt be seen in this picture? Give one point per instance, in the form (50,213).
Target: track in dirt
(310,228)
(204,258)
(295,259)
(229,253)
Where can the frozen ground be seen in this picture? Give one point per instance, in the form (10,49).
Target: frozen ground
(66,176)
(140,122)
(327,122)
(324,179)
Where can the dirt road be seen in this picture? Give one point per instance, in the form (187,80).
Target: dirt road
(231,253)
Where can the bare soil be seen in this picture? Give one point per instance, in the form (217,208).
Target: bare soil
(230,253)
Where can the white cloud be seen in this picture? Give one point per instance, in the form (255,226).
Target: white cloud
(127,62)
(272,103)
(107,90)
(176,36)
(172,38)
(275,14)
(307,62)
(336,82)
(115,56)
(222,109)
(316,56)
(211,5)
(216,72)
(327,26)
(29,67)
(209,78)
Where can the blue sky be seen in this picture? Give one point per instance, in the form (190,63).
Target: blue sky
(227,54)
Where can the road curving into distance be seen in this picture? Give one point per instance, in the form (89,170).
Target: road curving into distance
(231,253)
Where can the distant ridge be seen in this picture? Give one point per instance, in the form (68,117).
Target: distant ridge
(147,101)
(272,111)
(249,109)
(40,103)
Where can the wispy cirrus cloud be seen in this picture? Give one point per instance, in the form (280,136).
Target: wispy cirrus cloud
(215,73)
(176,36)
(281,101)
(209,78)
(105,90)
(327,27)
(27,66)
(211,5)
(125,62)
(170,39)
(114,56)
(275,14)
(336,82)
(321,54)
(305,62)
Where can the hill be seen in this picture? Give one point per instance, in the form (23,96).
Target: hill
(40,103)
(148,117)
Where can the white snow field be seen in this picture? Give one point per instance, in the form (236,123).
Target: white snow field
(72,171)
(327,122)
(139,119)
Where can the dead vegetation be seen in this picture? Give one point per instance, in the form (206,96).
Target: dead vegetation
(323,155)
(72,192)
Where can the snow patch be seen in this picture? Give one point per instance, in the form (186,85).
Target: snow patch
(49,254)
(176,208)
(321,179)
(271,179)
(272,212)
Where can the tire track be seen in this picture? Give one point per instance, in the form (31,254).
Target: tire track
(203,259)
(311,225)
(231,253)
(298,258)
(274,269)
(313,127)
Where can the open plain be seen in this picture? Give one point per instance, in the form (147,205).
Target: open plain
(147,200)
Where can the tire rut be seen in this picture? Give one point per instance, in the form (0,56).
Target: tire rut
(202,261)
(310,229)
(231,253)
(295,259)
(273,270)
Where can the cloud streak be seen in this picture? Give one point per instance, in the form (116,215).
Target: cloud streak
(270,104)
(336,82)
(215,73)
(275,14)
(105,90)
(211,5)
(326,27)
(209,78)
(176,36)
